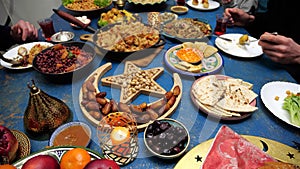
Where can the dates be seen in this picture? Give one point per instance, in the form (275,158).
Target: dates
(98,105)
(166,138)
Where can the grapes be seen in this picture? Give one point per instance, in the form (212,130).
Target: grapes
(165,138)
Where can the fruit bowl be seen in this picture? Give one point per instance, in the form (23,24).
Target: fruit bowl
(166,138)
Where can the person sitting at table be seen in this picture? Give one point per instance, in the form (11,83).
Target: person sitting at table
(248,6)
(20,32)
(280,17)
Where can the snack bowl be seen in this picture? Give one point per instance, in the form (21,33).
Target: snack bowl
(166,138)
(71,134)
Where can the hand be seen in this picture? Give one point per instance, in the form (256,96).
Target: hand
(238,17)
(280,49)
(24,31)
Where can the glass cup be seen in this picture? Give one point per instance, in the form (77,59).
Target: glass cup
(118,136)
(47,27)
(221,23)
(180,2)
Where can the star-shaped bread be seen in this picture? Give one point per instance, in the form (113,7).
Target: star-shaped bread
(135,81)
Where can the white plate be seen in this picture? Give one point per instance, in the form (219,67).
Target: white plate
(13,53)
(235,49)
(272,89)
(212,5)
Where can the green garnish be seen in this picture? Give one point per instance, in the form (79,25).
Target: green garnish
(66,2)
(70,55)
(102,3)
(292,105)
(102,23)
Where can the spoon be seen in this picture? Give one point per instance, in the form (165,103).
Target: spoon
(14,62)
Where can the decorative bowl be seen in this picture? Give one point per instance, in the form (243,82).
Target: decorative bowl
(166,138)
(71,134)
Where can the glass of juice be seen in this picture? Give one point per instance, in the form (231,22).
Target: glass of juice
(47,27)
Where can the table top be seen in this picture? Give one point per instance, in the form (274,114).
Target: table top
(14,93)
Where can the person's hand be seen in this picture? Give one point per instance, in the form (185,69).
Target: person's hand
(238,17)
(24,31)
(280,49)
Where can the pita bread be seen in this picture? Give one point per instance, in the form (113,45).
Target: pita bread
(209,50)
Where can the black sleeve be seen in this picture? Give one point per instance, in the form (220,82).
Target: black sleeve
(6,40)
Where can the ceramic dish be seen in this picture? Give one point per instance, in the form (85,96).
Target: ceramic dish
(178,135)
(235,49)
(195,157)
(211,65)
(146,2)
(109,2)
(209,111)
(13,53)
(56,152)
(278,89)
(212,5)
(74,134)
(24,144)
(179,9)
(62,36)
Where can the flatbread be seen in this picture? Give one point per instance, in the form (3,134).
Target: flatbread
(209,50)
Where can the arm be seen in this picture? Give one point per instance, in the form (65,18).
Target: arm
(238,17)
(23,31)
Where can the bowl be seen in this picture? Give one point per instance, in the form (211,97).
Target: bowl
(62,36)
(179,9)
(61,61)
(166,138)
(71,134)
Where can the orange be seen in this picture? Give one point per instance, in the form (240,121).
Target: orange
(7,166)
(75,158)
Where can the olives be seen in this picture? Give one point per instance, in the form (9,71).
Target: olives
(166,138)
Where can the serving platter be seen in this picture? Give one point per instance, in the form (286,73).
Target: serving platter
(56,152)
(278,89)
(235,49)
(146,2)
(212,111)
(97,75)
(212,5)
(195,157)
(210,65)
(89,10)
(13,54)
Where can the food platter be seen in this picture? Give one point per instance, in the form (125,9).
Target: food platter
(195,157)
(211,65)
(13,54)
(146,2)
(212,5)
(56,152)
(233,48)
(216,112)
(187,29)
(97,75)
(85,6)
(24,144)
(278,88)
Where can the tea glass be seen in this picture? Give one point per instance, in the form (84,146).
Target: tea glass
(221,23)
(47,27)
(118,136)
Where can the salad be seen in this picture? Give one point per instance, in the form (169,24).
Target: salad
(292,105)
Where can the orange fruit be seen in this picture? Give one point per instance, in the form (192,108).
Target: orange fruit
(75,158)
(7,166)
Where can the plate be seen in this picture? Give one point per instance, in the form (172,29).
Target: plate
(88,10)
(56,152)
(179,9)
(233,48)
(212,5)
(208,111)
(24,144)
(146,2)
(195,157)
(13,53)
(211,65)
(277,88)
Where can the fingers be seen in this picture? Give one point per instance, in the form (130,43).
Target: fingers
(23,30)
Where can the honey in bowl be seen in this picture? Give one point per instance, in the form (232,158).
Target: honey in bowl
(190,55)
(74,135)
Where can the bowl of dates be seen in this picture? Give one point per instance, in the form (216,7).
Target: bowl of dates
(166,138)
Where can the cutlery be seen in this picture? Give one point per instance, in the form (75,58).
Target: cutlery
(14,62)
(230,40)
(72,19)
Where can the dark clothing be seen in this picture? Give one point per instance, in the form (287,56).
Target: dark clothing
(6,40)
(281,17)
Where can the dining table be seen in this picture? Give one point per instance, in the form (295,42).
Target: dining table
(260,70)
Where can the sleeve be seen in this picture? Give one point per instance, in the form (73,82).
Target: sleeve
(6,39)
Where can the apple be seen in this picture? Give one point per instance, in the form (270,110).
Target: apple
(41,162)
(102,164)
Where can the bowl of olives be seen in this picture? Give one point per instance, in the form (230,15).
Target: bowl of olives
(166,138)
